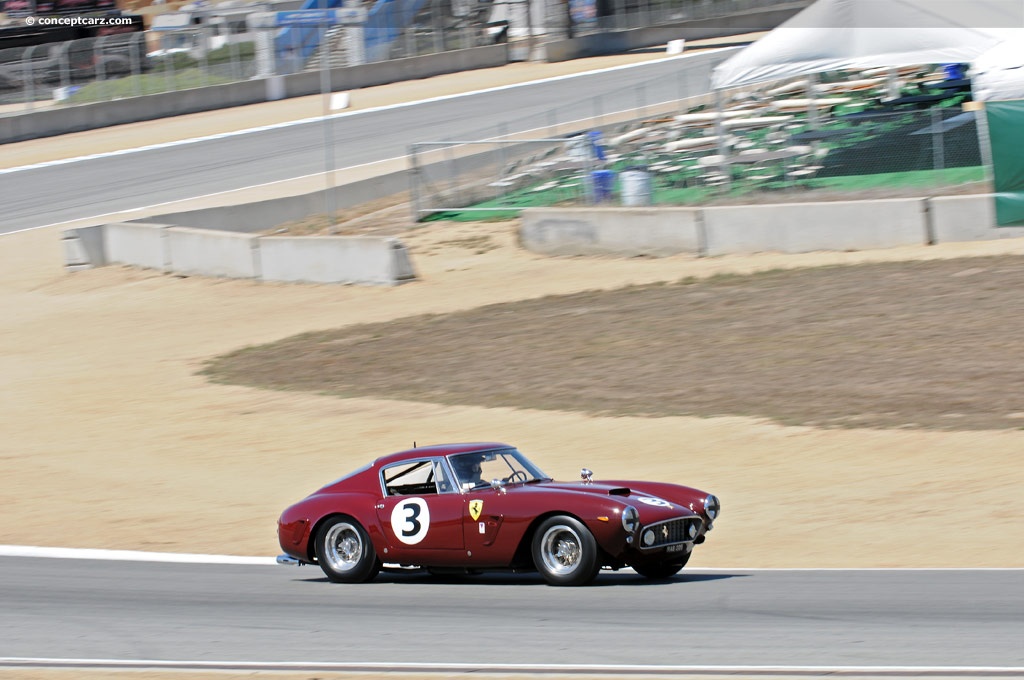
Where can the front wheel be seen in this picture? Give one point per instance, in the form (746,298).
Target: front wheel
(345,553)
(565,552)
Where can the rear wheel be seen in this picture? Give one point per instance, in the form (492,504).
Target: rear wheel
(661,570)
(565,552)
(344,551)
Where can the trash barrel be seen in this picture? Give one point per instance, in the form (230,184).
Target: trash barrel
(636,187)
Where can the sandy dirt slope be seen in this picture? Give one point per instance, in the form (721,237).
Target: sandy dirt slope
(113,440)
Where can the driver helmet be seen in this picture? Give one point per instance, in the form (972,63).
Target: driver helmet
(467,467)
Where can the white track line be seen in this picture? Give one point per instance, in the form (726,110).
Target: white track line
(603,669)
(199,558)
(344,114)
(128,555)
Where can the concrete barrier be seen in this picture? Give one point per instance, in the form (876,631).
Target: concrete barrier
(143,244)
(967,218)
(788,228)
(806,227)
(335,259)
(261,215)
(205,252)
(625,232)
(84,248)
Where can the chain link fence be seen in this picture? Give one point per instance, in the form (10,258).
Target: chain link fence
(136,64)
(742,147)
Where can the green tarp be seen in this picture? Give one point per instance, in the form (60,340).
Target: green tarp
(1006,133)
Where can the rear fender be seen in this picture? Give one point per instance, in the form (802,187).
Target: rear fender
(358,507)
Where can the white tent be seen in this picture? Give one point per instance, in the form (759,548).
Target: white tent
(998,74)
(858,34)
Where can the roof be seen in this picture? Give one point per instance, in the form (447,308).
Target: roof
(441,450)
(833,35)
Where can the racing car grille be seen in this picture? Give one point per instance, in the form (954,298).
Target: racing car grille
(669,532)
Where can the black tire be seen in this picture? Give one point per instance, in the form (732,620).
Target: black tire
(661,570)
(565,552)
(344,551)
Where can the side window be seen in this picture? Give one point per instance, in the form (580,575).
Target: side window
(441,476)
(415,478)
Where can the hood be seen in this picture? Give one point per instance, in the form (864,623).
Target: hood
(653,507)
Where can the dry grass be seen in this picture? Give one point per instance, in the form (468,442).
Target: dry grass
(890,345)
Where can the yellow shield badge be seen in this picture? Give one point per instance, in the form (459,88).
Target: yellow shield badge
(475,508)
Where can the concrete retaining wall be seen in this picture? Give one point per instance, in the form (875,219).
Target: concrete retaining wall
(806,227)
(334,259)
(204,252)
(967,218)
(611,231)
(787,228)
(137,243)
(83,248)
(262,215)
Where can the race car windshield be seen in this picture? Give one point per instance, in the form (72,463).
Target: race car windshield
(507,465)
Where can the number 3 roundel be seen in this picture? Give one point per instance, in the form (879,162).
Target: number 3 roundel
(410,520)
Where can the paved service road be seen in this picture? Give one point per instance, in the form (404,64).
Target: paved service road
(86,188)
(90,609)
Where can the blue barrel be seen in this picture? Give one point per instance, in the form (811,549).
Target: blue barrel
(603,182)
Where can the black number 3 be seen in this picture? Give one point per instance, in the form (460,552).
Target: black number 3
(414,512)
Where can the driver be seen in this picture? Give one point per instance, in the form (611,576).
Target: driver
(467,468)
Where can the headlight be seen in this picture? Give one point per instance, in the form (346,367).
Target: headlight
(630,519)
(649,538)
(712,507)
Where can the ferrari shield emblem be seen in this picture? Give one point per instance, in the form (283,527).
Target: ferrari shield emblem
(475,508)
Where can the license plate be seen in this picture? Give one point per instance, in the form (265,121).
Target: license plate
(676,548)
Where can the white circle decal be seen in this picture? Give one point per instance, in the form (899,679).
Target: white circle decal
(656,502)
(410,520)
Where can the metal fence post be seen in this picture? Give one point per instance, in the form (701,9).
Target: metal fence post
(414,181)
(204,60)
(100,70)
(168,61)
(65,64)
(236,59)
(452,170)
(938,139)
(135,56)
(29,76)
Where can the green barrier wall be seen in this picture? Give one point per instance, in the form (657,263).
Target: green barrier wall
(1006,131)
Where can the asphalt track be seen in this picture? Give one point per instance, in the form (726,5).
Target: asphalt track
(75,612)
(57,192)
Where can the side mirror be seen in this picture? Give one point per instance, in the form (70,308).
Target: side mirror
(587,476)
(498,485)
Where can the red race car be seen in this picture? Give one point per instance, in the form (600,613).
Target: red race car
(474,507)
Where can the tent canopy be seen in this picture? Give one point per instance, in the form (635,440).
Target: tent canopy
(998,75)
(835,35)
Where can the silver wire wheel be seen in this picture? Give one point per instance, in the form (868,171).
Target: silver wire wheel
(565,552)
(345,553)
(343,547)
(560,550)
